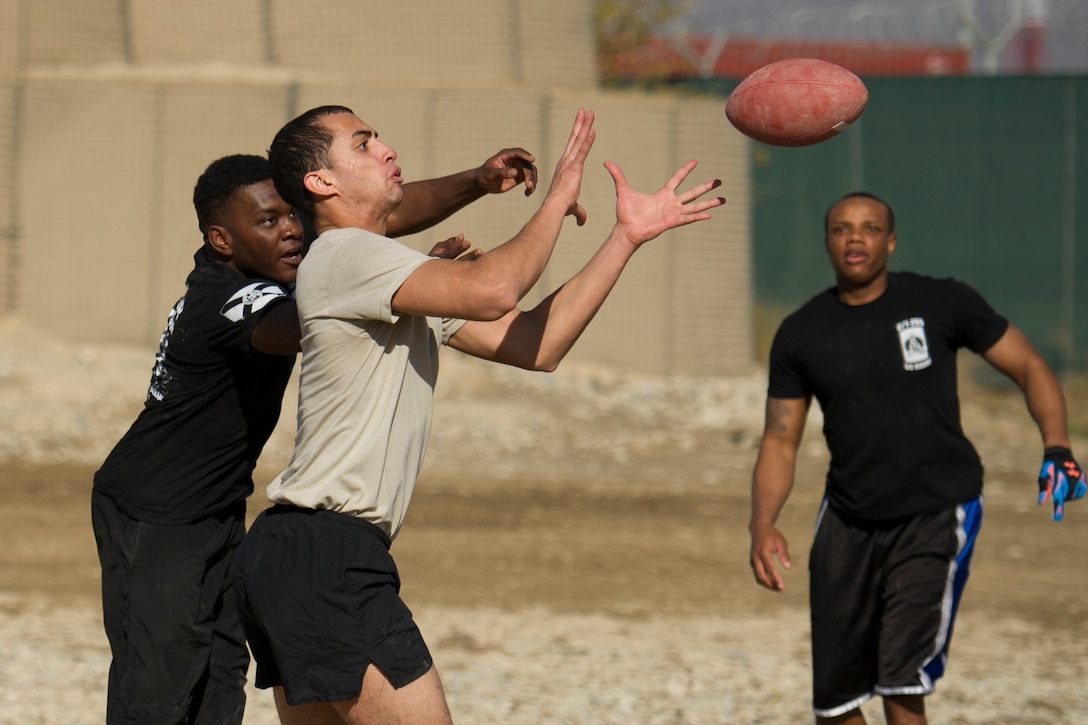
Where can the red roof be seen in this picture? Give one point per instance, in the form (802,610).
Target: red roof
(704,56)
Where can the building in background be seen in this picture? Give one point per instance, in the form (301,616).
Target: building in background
(1001,37)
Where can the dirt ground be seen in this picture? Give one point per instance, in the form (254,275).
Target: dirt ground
(573,554)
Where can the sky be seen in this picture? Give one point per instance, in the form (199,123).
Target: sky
(924,21)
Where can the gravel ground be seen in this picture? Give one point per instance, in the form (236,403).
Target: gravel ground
(538,663)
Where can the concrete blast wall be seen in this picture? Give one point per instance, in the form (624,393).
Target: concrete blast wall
(110,110)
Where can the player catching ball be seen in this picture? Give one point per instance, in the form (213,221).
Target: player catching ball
(318,589)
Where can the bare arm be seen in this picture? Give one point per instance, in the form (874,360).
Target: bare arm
(279,331)
(772,482)
(427,203)
(1014,356)
(491,286)
(540,338)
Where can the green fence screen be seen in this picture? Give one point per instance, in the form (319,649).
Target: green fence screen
(989,181)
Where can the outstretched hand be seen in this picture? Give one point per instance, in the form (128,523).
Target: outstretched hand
(1061,479)
(505,170)
(567,181)
(641,217)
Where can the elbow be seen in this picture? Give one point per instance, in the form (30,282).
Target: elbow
(494,301)
(536,365)
(504,300)
(547,365)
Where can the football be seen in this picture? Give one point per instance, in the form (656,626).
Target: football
(796,102)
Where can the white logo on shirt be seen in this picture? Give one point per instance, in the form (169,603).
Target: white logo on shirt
(913,344)
(160,376)
(249,299)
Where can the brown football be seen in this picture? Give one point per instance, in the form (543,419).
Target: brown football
(796,102)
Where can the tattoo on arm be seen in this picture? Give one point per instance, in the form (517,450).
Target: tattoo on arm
(777,410)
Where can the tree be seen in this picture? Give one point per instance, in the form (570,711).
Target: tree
(624,30)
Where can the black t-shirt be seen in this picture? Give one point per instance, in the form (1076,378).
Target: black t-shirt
(884,374)
(212,403)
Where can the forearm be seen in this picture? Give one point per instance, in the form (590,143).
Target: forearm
(517,264)
(427,203)
(772,483)
(539,339)
(1014,356)
(1046,405)
(490,287)
(773,475)
(563,316)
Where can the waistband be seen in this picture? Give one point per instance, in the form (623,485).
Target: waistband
(333,517)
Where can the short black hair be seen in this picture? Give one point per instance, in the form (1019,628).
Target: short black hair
(220,180)
(863,195)
(300,147)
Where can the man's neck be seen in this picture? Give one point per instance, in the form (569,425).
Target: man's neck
(864,294)
(322,228)
(329,218)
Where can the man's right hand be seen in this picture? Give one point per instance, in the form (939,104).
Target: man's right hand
(768,543)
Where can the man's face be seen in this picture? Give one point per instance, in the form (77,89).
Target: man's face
(265,233)
(858,242)
(364,168)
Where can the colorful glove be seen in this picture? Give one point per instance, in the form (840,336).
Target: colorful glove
(1061,479)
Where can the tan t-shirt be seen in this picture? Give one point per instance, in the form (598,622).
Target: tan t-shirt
(366,384)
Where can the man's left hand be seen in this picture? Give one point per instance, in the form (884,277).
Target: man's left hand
(1061,479)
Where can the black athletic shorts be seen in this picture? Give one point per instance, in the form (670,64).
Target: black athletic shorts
(319,599)
(883,601)
(179,654)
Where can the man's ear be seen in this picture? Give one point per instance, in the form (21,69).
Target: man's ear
(320,183)
(891,243)
(219,241)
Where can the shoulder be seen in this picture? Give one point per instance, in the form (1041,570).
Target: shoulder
(350,245)
(815,308)
(807,320)
(913,281)
(351,236)
(950,299)
(253,297)
(948,292)
(218,290)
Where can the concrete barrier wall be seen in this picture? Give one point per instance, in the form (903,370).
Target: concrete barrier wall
(10,32)
(9,249)
(199,31)
(98,159)
(106,173)
(77,33)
